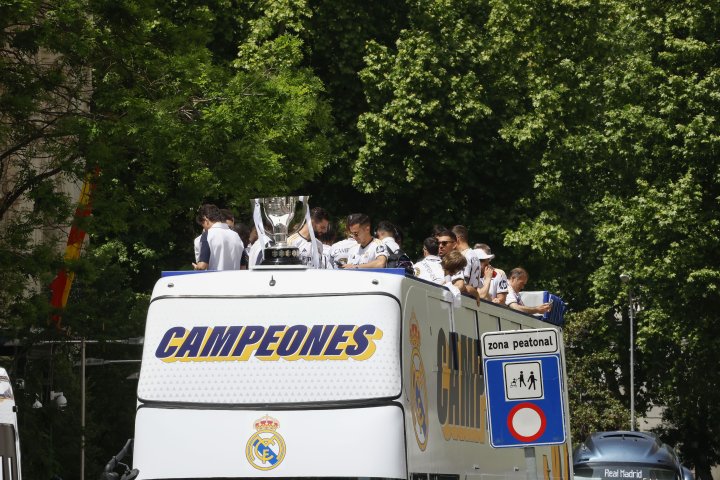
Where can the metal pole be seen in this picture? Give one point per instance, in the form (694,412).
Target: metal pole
(632,361)
(82,409)
(530,464)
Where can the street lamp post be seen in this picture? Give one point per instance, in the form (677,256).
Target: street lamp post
(82,409)
(625,279)
(85,362)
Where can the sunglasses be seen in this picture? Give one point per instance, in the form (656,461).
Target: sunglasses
(445,242)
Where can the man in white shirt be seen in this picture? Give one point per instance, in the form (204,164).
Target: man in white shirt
(472,269)
(429,268)
(499,283)
(220,246)
(369,251)
(320,220)
(517,281)
(339,250)
(385,232)
(448,243)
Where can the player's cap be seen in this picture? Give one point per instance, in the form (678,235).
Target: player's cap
(482,255)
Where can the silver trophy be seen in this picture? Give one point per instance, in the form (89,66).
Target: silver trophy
(281,217)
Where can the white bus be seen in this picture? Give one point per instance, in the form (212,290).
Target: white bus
(9,439)
(295,373)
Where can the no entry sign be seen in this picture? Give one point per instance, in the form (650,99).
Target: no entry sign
(524,388)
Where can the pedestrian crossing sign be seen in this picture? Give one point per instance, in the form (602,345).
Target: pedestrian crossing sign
(523,380)
(524,391)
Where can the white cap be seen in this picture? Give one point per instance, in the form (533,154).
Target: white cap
(482,255)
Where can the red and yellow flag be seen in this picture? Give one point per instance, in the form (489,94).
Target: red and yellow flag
(60,286)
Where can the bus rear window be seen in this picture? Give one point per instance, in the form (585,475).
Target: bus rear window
(249,350)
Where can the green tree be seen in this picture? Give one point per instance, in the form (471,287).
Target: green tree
(624,123)
(175,104)
(431,129)
(595,403)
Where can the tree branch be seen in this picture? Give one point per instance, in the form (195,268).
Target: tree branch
(9,199)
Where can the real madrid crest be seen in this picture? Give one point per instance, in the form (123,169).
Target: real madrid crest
(265,449)
(418,395)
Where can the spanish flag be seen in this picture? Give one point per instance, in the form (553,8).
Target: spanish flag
(60,287)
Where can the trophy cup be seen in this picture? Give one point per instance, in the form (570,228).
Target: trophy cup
(279,214)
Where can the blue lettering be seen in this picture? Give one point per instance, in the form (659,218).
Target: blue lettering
(250,336)
(164,349)
(193,342)
(220,341)
(269,338)
(315,343)
(337,338)
(292,340)
(360,338)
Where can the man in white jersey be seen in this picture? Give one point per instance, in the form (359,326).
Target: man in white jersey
(327,239)
(320,221)
(339,250)
(499,283)
(448,243)
(429,268)
(369,251)
(472,269)
(220,247)
(385,232)
(518,279)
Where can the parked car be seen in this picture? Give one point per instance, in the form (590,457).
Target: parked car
(626,455)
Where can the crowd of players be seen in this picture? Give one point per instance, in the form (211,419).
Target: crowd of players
(447,259)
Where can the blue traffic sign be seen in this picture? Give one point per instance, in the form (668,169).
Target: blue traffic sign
(524,392)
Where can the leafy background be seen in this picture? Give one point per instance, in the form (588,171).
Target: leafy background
(579,138)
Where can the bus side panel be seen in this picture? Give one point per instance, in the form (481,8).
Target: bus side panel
(444,390)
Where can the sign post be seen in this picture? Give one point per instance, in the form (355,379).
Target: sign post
(524,388)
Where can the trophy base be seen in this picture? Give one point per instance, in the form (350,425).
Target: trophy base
(281,256)
(302,266)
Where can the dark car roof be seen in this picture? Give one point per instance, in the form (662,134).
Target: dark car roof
(625,447)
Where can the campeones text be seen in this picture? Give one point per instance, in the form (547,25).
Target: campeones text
(273,342)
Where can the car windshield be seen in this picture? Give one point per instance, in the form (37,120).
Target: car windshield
(624,472)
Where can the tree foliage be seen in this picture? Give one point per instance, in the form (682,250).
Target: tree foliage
(173,104)
(577,137)
(595,403)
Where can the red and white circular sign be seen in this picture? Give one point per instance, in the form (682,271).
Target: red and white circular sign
(526,422)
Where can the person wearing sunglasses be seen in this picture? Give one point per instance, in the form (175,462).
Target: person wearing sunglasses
(447,242)
(498,280)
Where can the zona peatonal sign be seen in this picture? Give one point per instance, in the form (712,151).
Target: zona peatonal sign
(524,388)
